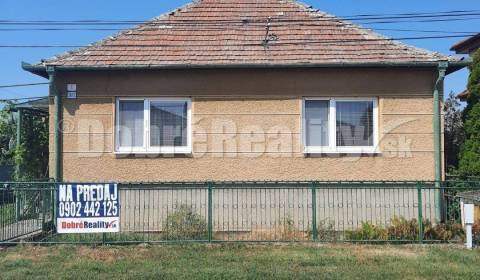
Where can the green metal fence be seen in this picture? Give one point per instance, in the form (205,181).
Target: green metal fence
(405,212)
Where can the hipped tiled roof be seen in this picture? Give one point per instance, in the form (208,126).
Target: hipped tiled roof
(234,32)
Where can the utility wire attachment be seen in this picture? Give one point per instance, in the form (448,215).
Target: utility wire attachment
(268,37)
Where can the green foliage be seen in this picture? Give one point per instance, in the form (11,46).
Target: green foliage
(31,156)
(185,224)
(408,230)
(7,213)
(454,131)
(470,152)
(443,232)
(7,136)
(367,231)
(325,231)
(403,229)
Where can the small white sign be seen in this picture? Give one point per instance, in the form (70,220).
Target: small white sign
(71,87)
(469,210)
(72,95)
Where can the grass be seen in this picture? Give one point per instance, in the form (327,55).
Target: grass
(7,214)
(240,261)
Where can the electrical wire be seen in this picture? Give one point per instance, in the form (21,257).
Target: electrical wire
(23,85)
(21,98)
(281,42)
(427,17)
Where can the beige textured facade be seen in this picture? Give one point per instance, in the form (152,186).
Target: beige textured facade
(263,112)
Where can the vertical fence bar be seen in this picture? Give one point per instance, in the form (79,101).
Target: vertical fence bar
(314,212)
(420,212)
(210,211)
(53,187)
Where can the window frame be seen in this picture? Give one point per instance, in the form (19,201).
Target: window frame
(147,148)
(332,148)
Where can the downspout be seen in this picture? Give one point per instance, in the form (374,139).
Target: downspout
(437,130)
(19,140)
(57,122)
(18,163)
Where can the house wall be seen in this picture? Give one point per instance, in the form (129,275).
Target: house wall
(241,107)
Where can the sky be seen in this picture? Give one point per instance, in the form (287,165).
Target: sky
(11,72)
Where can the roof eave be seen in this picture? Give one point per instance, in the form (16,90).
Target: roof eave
(41,69)
(465,46)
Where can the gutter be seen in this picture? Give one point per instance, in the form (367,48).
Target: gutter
(41,69)
(438,88)
(51,71)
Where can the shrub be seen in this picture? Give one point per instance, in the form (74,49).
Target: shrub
(403,229)
(367,231)
(185,224)
(444,232)
(325,231)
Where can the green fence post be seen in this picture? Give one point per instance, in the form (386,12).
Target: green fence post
(420,213)
(314,212)
(44,203)
(53,198)
(210,211)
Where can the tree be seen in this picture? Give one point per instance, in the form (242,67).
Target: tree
(7,136)
(32,154)
(454,133)
(470,152)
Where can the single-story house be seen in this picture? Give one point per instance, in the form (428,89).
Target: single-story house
(241,90)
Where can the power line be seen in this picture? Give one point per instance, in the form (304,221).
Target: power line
(415,13)
(444,16)
(21,98)
(281,42)
(466,33)
(22,85)
(358,16)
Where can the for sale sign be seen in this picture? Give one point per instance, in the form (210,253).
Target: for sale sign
(87,208)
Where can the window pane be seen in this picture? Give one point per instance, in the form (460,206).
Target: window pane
(354,123)
(316,116)
(168,123)
(131,123)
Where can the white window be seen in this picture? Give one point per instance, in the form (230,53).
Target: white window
(153,125)
(340,125)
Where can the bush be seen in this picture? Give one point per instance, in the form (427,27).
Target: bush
(408,230)
(443,232)
(367,231)
(403,229)
(185,224)
(326,231)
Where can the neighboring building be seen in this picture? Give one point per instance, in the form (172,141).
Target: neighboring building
(246,90)
(467,46)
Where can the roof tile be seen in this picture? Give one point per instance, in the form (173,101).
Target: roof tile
(233,32)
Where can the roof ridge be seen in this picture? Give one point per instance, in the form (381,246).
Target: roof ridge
(180,49)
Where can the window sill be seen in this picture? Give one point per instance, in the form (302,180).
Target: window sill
(178,151)
(359,151)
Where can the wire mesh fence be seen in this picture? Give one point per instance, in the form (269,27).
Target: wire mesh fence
(404,212)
